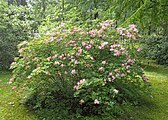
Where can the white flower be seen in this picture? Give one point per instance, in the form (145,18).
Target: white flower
(81,101)
(57,63)
(96,101)
(101,69)
(115,91)
(103,62)
(73,72)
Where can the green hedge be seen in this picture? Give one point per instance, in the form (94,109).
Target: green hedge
(156,47)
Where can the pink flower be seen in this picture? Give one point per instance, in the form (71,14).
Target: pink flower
(109,79)
(64,58)
(9,82)
(92,33)
(128,34)
(81,33)
(77,54)
(74,45)
(81,82)
(54,56)
(132,25)
(128,71)
(133,37)
(116,53)
(115,70)
(61,57)
(120,30)
(62,65)
(71,32)
(57,33)
(111,49)
(62,24)
(76,30)
(100,47)
(88,47)
(96,101)
(117,75)
(80,50)
(139,49)
(14,87)
(123,50)
(75,87)
(76,62)
(49,58)
(47,33)
(106,24)
(130,61)
(58,39)
(56,63)
(122,75)
(135,30)
(21,50)
(113,46)
(83,44)
(29,77)
(92,42)
(110,74)
(104,43)
(73,72)
(113,77)
(127,66)
(105,81)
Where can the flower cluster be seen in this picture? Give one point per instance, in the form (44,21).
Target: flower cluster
(131,32)
(80,82)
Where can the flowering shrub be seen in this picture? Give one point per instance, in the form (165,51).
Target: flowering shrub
(99,67)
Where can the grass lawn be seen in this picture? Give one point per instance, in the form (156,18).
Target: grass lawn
(155,109)
(10,107)
(157,106)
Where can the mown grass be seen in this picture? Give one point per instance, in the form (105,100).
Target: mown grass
(155,108)
(10,107)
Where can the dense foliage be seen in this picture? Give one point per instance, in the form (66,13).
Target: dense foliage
(156,47)
(99,70)
(13,29)
(149,15)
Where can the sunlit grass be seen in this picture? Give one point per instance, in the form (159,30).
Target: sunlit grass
(157,106)
(10,107)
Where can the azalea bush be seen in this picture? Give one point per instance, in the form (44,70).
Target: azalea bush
(97,69)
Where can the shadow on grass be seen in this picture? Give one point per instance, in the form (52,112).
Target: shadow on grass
(151,66)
